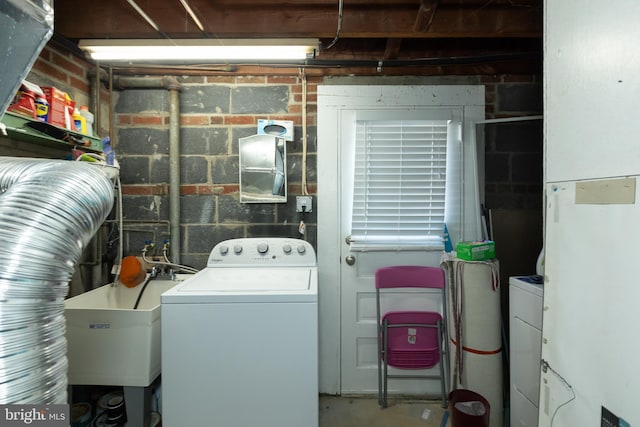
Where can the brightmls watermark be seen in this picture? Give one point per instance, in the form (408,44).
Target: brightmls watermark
(34,415)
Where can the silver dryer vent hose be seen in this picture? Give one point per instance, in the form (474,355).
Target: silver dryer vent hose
(49,210)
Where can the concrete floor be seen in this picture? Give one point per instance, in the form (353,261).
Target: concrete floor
(365,412)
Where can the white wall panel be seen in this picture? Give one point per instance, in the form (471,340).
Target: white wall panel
(592,64)
(590,318)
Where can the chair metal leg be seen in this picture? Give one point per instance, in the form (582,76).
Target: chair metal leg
(384,388)
(442,372)
(447,356)
(378,339)
(379,367)
(385,346)
(447,363)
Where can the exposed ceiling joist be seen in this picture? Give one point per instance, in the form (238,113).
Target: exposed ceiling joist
(426,13)
(369,29)
(392,49)
(116,19)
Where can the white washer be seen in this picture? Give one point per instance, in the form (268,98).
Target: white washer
(525,336)
(240,338)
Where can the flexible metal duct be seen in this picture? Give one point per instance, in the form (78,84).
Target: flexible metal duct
(49,210)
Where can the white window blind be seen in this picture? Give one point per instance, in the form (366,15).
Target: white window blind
(399,184)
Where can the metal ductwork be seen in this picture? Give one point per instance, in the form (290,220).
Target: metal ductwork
(49,210)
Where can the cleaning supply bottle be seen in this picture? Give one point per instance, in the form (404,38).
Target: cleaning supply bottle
(107,151)
(68,113)
(80,122)
(88,116)
(42,108)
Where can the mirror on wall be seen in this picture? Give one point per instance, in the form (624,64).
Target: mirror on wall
(263,169)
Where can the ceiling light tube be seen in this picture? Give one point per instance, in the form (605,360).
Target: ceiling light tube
(199,49)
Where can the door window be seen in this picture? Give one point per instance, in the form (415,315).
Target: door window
(399,184)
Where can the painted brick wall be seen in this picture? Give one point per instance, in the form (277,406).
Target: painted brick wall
(513,152)
(70,73)
(215,113)
(217,110)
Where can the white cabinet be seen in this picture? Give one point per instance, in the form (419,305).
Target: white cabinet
(525,336)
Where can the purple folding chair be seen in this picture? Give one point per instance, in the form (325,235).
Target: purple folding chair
(413,339)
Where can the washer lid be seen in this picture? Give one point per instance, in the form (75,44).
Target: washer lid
(237,280)
(222,285)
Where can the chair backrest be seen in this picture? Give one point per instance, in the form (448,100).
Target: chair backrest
(410,276)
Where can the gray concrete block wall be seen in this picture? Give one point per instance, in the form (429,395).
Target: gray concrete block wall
(136,101)
(213,117)
(205,99)
(514,151)
(204,141)
(216,114)
(260,99)
(217,110)
(519,97)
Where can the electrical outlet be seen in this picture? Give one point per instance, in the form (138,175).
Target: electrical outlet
(303,204)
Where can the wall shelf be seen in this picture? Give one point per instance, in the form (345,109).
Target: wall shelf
(18,129)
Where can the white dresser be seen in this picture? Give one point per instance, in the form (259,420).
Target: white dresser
(525,337)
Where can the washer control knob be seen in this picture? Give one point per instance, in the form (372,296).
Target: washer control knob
(224,250)
(301,249)
(286,248)
(237,249)
(263,248)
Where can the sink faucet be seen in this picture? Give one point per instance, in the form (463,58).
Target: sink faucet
(155,270)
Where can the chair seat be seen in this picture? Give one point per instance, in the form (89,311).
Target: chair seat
(426,317)
(415,346)
(413,359)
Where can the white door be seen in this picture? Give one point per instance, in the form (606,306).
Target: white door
(360,260)
(346,270)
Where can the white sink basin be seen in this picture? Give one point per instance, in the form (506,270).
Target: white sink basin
(110,343)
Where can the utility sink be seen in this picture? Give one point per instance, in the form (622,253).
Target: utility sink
(110,343)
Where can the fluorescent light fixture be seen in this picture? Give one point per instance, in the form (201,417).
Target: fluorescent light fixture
(199,49)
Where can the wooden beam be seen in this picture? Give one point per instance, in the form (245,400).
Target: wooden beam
(392,49)
(115,19)
(426,13)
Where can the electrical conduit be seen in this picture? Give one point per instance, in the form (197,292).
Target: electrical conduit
(49,210)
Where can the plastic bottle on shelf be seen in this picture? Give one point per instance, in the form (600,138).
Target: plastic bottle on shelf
(80,122)
(42,108)
(68,113)
(88,116)
(107,151)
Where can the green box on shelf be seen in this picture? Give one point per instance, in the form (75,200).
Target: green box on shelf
(476,251)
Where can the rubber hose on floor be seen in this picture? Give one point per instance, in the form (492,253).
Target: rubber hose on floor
(445,418)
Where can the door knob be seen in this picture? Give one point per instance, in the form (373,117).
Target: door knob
(350,260)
